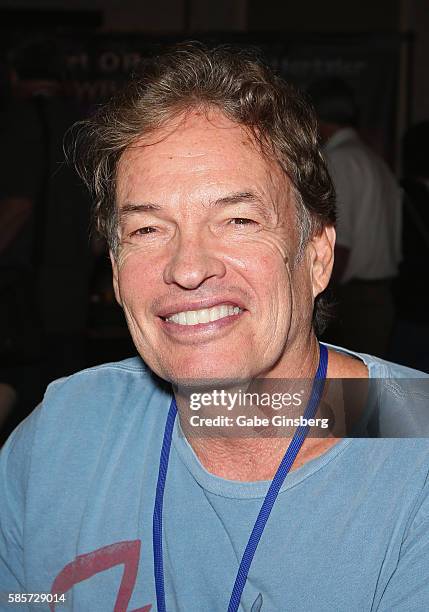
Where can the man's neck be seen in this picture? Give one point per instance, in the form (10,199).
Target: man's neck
(250,460)
(257,458)
(253,459)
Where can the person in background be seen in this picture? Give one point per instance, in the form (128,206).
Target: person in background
(410,344)
(368,247)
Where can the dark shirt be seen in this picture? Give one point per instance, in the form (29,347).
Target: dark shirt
(411,288)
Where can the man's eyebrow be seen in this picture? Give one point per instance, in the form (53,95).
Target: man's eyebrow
(242,197)
(236,198)
(130,208)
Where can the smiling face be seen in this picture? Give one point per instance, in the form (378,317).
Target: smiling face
(206,268)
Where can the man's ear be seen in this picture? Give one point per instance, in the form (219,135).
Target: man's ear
(321,249)
(115,278)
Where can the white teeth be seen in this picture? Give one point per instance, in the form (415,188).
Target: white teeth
(214,313)
(204,316)
(181,318)
(193,317)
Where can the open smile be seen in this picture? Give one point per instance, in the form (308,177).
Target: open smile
(203,320)
(203,315)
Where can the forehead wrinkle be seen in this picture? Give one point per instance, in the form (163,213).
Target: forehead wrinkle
(275,199)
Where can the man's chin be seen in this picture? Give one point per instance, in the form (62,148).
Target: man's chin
(205,375)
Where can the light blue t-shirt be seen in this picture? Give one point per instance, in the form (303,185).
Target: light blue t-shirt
(349,530)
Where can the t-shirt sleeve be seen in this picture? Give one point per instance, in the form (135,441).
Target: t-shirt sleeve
(408,587)
(15,458)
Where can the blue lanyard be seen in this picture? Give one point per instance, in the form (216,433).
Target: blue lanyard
(267,505)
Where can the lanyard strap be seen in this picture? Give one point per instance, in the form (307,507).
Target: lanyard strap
(267,505)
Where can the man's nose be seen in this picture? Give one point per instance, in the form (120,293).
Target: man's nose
(193,260)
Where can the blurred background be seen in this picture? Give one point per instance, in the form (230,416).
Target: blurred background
(59,59)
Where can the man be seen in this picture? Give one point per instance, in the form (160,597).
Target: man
(219,213)
(368,247)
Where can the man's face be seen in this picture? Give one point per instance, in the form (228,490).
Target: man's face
(206,268)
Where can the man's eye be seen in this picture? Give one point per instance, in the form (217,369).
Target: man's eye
(241,221)
(143,231)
